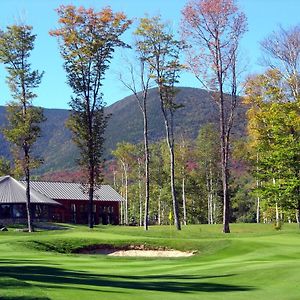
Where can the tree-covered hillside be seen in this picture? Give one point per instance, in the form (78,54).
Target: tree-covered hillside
(198,109)
(125,124)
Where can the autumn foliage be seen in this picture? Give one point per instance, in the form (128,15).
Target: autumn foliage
(212,30)
(87,41)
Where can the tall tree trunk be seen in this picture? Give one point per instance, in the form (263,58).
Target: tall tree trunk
(258,210)
(169,127)
(26,163)
(27,177)
(298,214)
(122,204)
(208,199)
(140,196)
(147,183)
(277,214)
(90,210)
(174,200)
(115,183)
(170,142)
(210,191)
(184,202)
(258,198)
(224,165)
(142,103)
(91,164)
(126,196)
(159,207)
(214,213)
(91,197)
(276,209)
(211,194)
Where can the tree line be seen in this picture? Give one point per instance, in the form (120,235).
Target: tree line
(210,36)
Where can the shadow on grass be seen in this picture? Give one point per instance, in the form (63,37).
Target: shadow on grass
(47,276)
(23,298)
(12,285)
(4,261)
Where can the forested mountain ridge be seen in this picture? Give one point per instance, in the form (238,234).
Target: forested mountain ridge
(198,109)
(125,124)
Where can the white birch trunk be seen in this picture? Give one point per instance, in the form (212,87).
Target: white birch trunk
(211,195)
(159,212)
(126,194)
(258,198)
(258,210)
(122,205)
(276,208)
(184,202)
(140,197)
(277,214)
(208,199)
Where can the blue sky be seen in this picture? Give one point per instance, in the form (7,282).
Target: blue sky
(264,16)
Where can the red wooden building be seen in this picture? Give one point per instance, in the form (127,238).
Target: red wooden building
(58,202)
(74,202)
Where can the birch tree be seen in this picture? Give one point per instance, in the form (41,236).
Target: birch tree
(125,155)
(213,29)
(183,154)
(281,51)
(161,53)
(139,83)
(207,151)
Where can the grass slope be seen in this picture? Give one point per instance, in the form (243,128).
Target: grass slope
(254,262)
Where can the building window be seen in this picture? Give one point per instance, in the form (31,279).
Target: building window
(83,208)
(73,208)
(5,212)
(19,211)
(40,211)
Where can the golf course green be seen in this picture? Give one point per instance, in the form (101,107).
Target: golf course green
(253,262)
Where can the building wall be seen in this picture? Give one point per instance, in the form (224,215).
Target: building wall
(16,213)
(71,211)
(76,211)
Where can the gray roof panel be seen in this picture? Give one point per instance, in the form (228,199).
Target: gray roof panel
(12,191)
(74,191)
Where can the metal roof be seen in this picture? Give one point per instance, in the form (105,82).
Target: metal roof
(74,191)
(12,191)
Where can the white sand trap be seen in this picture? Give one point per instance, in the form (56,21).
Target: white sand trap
(151,253)
(134,251)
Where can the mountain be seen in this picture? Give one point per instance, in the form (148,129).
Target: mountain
(54,146)
(125,124)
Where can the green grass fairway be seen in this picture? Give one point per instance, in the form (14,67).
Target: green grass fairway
(253,262)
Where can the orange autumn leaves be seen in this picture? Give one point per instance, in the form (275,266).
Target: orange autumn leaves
(77,23)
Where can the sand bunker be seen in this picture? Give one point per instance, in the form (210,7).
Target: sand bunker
(133,251)
(152,253)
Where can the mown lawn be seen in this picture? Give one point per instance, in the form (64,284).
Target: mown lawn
(253,262)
